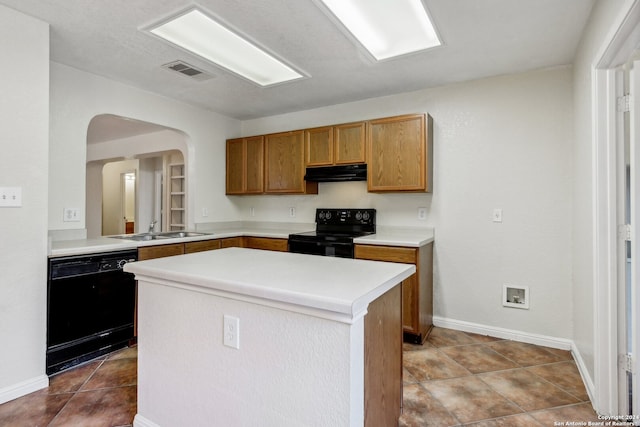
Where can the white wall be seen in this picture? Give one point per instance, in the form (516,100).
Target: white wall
(502,142)
(24,118)
(306,374)
(600,24)
(77,97)
(112,208)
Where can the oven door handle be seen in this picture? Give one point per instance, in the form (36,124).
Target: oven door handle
(332,243)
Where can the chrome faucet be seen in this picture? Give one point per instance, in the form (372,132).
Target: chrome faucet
(152,225)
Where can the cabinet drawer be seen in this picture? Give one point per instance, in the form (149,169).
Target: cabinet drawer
(231,242)
(386,253)
(267,243)
(201,245)
(151,252)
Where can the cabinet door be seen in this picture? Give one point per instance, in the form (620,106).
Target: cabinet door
(254,165)
(284,164)
(410,286)
(349,143)
(410,316)
(319,146)
(160,251)
(397,154)
(235,166)
(201,245)
(383,360)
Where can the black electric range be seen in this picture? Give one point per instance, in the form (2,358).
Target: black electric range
(335,231)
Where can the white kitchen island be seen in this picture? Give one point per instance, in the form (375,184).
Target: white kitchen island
(320,340)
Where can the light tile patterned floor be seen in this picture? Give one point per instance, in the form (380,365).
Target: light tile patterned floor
(454,379)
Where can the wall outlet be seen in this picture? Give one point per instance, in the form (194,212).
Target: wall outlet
(497,215)
(205,212)
(422,214)
(71,215)
(231,330)
(515,296)
(292,212)
(252,211)
(10,197)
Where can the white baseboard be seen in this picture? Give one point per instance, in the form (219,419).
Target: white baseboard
(510,334)
(140,421)
(23,388)
(584,373)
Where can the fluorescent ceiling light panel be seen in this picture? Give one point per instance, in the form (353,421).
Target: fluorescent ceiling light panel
(201,35)
(386,28)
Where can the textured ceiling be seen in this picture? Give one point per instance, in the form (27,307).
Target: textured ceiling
(481,38)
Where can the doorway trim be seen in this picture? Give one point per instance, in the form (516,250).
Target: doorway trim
(619,46)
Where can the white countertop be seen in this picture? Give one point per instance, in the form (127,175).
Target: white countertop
(336,288)
(397,236)
(89,246)
(389,236)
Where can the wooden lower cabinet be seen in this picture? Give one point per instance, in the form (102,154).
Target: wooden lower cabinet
(267,243)
(417,290)
(160,251)
(383,360)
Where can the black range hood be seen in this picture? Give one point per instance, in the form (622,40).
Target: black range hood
(337,173)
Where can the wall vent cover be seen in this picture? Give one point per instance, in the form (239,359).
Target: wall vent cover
(188,70)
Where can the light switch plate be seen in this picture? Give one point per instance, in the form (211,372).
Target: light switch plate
(10,197)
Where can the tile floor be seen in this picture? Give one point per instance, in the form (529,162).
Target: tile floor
(100,393)
(454,379)
(458,378)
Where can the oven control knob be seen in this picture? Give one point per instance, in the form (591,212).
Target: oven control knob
(358,215)
(328,215)
(121,263)
(365,216)
(321,215)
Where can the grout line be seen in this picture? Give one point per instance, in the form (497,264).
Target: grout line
(73,394)
(518,367)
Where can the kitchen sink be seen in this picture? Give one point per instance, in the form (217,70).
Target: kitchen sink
(141,237)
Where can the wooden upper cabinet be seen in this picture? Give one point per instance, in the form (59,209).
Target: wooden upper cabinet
(285,164)
(349,142)
(254,165)
(245,165)
(235,166)
(319,146)
(334,145)
(399,153)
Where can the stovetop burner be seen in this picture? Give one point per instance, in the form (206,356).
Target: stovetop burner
(334,233)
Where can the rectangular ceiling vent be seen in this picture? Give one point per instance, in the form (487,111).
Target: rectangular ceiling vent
(188,70)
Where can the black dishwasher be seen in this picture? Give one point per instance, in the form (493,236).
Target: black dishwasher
(90,307)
